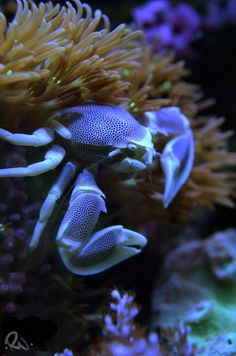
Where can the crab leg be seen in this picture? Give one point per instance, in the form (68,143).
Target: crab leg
(84,252)
(53,158)
(59,128)
(40,137)
(48,206)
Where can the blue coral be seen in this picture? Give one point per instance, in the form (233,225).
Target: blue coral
(121,334)
(66,352)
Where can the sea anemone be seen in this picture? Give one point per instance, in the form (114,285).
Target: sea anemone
(56,56)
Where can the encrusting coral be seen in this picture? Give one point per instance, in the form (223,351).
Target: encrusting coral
(60,56)
(16,224)
(197,289)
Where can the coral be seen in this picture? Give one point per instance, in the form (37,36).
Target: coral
(168,27)
(197,288)
(177,337)
(148,347)
(125,313)
(17,220)
(221,253)
(66,352)
(121,336)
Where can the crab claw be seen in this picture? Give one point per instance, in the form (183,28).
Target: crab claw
(128,165)
(177,161)
(82,251)
(167,121)
(178,155)
(105,249)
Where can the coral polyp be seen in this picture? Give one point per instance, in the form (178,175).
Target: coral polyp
(56,55)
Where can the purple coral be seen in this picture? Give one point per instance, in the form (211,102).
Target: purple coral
(152,12)
(17,219)
(125,312)
(185,25)
(177,337)
(139,347)
(66,352)
(122,336)
(176,27)
(167,26)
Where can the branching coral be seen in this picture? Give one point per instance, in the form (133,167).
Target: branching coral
(125,313)
(121,335)
(66,352)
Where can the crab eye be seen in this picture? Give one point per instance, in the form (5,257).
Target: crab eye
(132,147)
